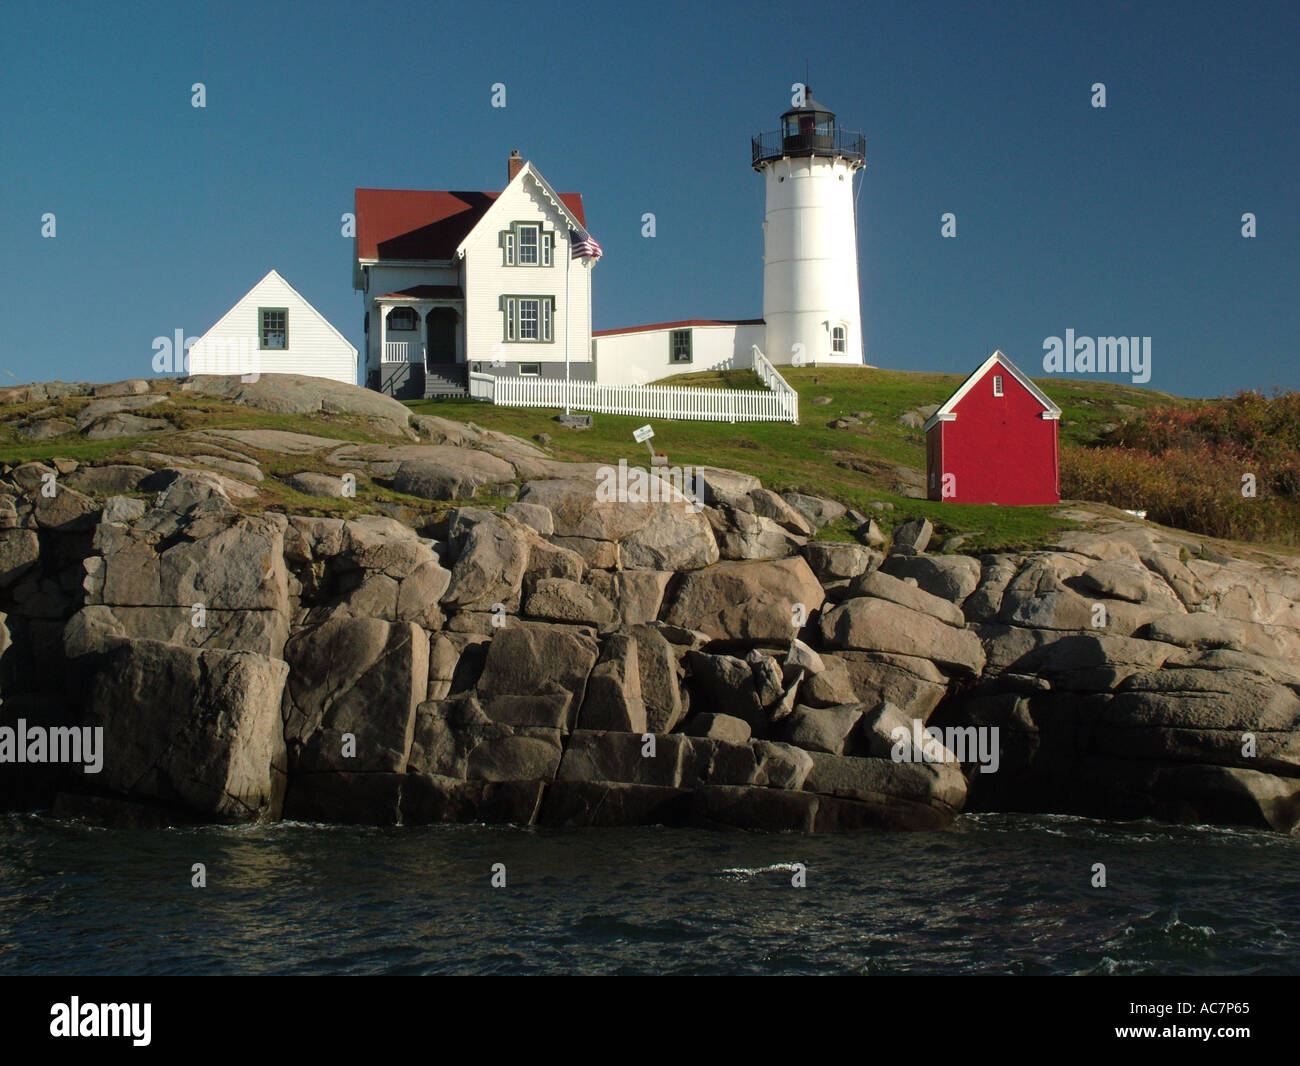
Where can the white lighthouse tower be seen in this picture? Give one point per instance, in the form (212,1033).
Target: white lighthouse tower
(810,260)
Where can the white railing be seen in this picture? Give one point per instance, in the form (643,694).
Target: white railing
(779,404)
(397,351)
(771,377)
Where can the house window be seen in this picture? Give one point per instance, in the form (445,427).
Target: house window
(839,340)
(679,346)
(527,244)
(528,241)
(529,318)
(530,370)
(402,318)
(273,327)
(529,315)
(997,384)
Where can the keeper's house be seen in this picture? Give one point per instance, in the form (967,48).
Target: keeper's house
(461,281)
(273,330)
(994,440)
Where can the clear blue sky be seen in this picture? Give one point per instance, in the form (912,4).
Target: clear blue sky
(1118,221)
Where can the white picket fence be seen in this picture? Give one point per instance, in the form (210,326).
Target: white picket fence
(779,403)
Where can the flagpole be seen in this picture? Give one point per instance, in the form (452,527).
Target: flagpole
(567,266)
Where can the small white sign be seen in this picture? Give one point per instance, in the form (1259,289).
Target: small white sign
(643,434)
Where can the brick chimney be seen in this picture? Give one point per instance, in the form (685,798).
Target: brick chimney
(514,165)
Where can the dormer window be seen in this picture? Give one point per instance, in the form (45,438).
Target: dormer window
(997,384)
(528,246)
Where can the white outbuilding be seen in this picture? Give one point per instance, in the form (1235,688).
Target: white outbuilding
(273,330)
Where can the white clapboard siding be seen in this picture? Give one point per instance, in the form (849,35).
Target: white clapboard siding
(487,280)
(315,347)
(779,404)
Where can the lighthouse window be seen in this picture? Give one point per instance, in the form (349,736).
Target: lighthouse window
(679,345)
(839,340)
(997,384)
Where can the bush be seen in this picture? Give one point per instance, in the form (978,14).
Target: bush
(1185,468)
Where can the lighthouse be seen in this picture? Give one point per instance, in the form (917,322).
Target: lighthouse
(810,248)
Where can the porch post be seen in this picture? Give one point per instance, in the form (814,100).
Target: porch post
(423,312)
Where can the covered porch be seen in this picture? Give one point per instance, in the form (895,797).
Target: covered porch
(422,342)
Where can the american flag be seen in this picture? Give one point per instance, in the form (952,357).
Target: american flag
(583,246)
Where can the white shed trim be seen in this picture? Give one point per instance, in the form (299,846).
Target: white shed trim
(946,413)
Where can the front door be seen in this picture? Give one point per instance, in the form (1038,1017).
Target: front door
(442,323)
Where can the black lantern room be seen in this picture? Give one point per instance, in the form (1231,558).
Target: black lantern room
(806,130)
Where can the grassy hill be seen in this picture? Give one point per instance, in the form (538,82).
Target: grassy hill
(876,460)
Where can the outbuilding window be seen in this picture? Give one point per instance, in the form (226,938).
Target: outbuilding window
(679,346)
(273,327)
(997,384)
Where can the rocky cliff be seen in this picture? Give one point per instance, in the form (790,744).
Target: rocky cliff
(572,660)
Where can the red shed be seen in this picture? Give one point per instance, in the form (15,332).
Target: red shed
(994,440)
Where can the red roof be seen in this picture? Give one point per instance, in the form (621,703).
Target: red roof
(425,224)
(681,325)
(425,292)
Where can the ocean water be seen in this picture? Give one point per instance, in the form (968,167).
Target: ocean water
(991,894)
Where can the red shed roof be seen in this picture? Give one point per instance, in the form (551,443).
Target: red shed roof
(425,224)
(681,325)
